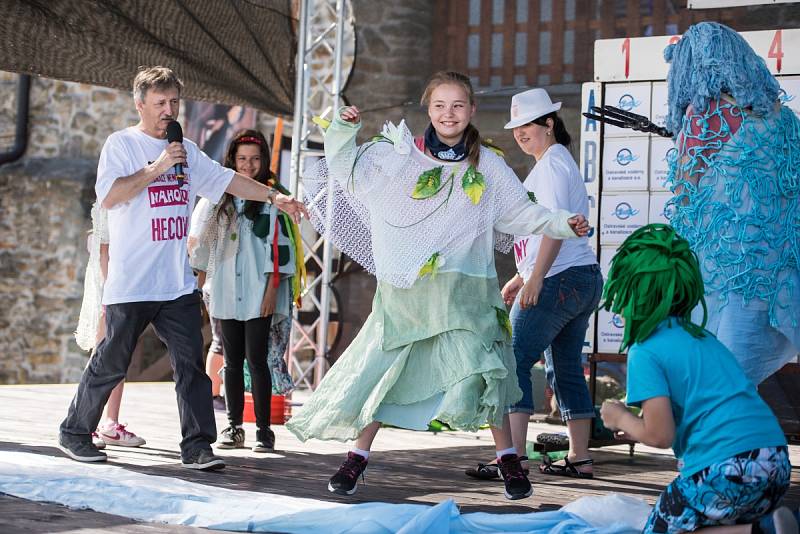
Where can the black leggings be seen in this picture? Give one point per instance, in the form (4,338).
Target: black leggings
(248,339)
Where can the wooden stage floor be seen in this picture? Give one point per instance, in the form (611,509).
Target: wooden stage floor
(406,467)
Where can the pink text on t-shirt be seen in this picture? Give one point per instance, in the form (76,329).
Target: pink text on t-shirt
(520,250)
(169,228)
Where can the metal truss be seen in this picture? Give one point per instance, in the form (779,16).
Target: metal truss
(325,48)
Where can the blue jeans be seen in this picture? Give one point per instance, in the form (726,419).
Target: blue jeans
(559,320)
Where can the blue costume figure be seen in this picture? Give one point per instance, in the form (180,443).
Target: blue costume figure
(736,179)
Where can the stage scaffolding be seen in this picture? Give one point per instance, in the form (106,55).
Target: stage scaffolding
(325,49)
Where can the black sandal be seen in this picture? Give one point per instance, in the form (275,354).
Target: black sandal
(569,469)
(489,471)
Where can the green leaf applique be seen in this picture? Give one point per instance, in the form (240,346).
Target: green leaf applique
(503,320)
(473,184)
(233,236)
(532,197)
(428,184)
(432,266)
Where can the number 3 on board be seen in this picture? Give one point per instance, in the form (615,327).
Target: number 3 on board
(776,50)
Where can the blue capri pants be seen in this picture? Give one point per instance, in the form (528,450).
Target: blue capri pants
(559,320)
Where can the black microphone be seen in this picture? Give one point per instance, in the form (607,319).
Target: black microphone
(175,134)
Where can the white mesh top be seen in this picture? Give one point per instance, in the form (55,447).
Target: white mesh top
(378,223)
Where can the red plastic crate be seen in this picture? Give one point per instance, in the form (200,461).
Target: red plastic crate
(279,410)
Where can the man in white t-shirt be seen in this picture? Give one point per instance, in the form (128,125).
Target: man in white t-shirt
(149,278)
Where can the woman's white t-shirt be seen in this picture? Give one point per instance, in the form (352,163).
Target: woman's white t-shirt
(147,234)
(556,183)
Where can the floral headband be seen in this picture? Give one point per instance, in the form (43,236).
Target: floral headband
(248,139)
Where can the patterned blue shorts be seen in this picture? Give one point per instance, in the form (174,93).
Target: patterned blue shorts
(738,490)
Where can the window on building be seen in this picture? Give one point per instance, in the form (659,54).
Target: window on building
(518,43)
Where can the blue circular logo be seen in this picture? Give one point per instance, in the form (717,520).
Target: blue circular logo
(625,156)
(624,211)
(616,321)
(627,102)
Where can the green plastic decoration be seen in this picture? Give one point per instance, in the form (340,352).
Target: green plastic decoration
(322,123)
(532,197)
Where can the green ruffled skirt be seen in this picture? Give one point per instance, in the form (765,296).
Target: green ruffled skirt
(438,350)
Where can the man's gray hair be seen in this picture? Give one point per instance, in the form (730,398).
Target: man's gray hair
(159,78)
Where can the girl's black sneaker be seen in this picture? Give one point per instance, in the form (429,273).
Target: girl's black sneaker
(345,481)
(265,440)
(517,484)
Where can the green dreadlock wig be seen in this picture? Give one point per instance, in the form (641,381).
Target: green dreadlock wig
(654,275)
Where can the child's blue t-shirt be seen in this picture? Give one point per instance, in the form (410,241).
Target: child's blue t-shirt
(718,412)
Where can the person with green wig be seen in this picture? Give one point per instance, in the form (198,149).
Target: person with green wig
(694,396)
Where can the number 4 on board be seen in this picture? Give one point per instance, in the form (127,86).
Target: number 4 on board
(776,50)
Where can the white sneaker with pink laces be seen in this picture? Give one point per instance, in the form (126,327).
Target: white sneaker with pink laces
(114,433)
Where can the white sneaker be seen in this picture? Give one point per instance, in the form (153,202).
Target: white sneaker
(117,434)
(98,441)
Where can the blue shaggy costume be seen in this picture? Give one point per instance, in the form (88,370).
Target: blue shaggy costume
(736,179)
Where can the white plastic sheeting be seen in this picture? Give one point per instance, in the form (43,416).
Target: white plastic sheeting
(114,490)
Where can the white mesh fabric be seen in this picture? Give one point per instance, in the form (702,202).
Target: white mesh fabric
(215,228)
(379,225)
(91,306)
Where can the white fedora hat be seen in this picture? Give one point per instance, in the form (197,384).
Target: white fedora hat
(530,105)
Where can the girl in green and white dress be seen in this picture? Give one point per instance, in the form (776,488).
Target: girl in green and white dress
(423,216)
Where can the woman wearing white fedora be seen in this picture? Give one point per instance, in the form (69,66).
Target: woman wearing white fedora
(556,289)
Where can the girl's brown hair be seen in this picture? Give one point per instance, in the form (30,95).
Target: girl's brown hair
(472,138)
(247,137)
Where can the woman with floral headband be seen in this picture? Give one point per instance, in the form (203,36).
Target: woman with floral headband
(249,252)
(421,215)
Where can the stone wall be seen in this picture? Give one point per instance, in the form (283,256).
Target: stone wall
(393,47)
(67,120)
(45,198)
(44,216)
